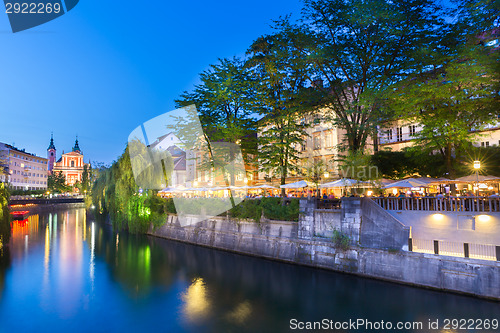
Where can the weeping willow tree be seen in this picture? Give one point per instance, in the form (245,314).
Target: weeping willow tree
(128,197)
(4,216)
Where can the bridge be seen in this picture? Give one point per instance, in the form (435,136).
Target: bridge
(45,201)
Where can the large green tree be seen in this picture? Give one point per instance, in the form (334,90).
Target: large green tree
(115,192)
(224,100)
(457,95)
(355,48)
(283,101)
(56,182)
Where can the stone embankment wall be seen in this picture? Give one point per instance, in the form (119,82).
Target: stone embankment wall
(378,247)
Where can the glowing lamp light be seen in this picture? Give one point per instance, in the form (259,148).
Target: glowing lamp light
(195,183)
(483,218)
(246,180)
(394,191)
(438,217)
(326,175)
(477,165)
(369,193)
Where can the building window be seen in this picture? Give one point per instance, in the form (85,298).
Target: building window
(482,144)
(303,145)
(487,143)
(413,130)
(72,164)
(389,134)
(399,134)
(328,139)
(317,141)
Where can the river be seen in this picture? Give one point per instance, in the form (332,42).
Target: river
(64,273)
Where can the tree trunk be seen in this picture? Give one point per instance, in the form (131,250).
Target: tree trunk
(449,164)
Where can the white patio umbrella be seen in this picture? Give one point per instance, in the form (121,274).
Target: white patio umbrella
(407,183)
(344,182)
(266,187)
(299,184)
(168,190)
(474,179)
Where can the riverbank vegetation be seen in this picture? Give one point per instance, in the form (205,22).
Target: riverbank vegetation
(115,194)
(254,209)
(4,216)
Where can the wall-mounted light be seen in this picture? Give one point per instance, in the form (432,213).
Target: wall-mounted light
(438,217)
(483,218)
(369,193)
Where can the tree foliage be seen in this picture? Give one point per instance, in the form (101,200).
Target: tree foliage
(224,100)
(282,100)
(116,194)
(4,215)
(56,183)
(456,96)
(357,48)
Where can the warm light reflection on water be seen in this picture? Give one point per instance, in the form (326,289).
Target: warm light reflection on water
(196,304)
(241,313)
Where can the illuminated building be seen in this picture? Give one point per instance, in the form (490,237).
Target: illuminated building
(23,170)
(69,164)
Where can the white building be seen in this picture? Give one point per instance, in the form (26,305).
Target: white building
(22,170)
(169,142)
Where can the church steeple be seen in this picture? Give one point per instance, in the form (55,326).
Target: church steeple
(77,147)
(51,145)
(51,154)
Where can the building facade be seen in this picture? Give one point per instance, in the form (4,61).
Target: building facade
(71,164)
(400,134)
(23,170)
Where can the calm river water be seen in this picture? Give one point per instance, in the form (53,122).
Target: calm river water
(64,273)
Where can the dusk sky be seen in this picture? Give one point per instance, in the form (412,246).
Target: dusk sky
(105,67)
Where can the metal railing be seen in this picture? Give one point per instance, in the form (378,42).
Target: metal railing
(446,204)
(455,249)
(329,204)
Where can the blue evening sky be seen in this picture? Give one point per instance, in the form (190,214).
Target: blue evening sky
(105,67)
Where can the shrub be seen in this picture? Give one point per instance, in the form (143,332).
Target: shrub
(340,240)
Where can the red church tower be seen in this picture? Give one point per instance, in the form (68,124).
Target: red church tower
(51,154)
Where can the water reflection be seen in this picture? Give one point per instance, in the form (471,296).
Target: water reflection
(75,275)
(4,265)
(196,305)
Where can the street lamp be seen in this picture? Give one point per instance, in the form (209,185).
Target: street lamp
(477,166)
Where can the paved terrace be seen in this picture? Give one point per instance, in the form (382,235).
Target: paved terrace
(453,226)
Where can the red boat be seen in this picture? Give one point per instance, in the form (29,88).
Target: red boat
(20,215)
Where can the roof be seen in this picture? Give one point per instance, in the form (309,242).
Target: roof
(76,147)
(176,151)
(51,145)
(74,153)
(180,163)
